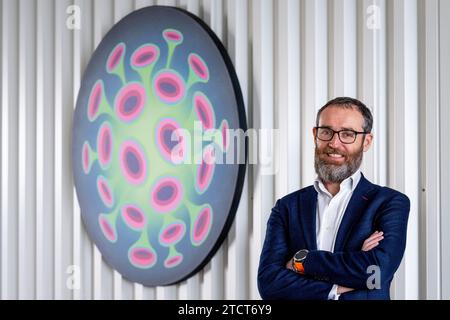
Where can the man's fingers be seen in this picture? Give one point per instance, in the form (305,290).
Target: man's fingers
(341,290)
(374,235)
(370,247)
(376,239)
(368,243)
(372,241)
(289,264)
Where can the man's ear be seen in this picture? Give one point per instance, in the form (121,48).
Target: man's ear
(367,141)
(314,130)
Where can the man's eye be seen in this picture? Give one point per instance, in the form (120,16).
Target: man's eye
(347,134)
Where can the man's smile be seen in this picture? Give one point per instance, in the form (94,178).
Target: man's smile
(333,157)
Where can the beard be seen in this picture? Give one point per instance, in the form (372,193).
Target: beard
(328,172)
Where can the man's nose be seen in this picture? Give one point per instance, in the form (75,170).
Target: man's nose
(334,142)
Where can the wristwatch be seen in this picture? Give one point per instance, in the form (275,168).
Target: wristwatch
(299,259)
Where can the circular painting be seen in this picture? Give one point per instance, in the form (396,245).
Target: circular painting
(157,159)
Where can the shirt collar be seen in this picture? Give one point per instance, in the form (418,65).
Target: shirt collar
(351,181)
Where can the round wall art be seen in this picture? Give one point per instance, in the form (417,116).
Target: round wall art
(157,167)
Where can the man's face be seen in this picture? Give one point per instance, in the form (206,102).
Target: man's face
(335,161)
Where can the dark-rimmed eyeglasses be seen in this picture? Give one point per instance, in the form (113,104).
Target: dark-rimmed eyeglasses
(345,136)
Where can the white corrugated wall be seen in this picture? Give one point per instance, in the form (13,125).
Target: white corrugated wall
(291,57)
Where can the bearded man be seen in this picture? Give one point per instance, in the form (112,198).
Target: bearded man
(342,238)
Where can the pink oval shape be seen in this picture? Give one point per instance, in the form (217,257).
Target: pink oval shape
(144,56)
(142,257)
(85,156)
(133,162)
(172,35)
(169,87)
(198,66)
(115,56)
(202,225)
(166,194)
(225,134)
(204,110)
(170,141)
(104,144)
(130,102)
(107,229)
(104,191)
(172,234)
(173,261)
(95,98)
(133,216)
(205,171)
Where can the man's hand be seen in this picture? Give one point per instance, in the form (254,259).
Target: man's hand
(370,243)
(341,290)
(289,264)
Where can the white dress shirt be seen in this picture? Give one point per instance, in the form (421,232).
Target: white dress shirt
(330,211)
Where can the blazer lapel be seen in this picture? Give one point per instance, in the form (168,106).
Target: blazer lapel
(358,202)
(307,216)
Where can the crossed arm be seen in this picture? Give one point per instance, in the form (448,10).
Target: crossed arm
(323,268)
(370,243)
(275,281)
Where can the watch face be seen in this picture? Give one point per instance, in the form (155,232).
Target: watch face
(300,255)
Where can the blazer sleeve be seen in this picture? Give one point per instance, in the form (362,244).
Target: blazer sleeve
(351,269)
(275,281)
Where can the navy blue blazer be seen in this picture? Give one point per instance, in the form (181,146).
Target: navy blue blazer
(292,226)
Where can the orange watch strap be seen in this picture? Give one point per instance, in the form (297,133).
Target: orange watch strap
(299,267)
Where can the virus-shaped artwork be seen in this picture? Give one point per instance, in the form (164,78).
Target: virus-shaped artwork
(157,103)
